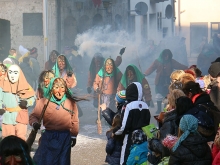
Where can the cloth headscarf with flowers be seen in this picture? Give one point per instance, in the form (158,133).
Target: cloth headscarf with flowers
(188,124)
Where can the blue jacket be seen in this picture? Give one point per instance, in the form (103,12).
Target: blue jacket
(138,154)
(113,150)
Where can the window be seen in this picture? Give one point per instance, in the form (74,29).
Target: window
(215,27)
(32,24)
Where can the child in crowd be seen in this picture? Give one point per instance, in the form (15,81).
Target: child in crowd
(14,151)
(139,149)
(114,144)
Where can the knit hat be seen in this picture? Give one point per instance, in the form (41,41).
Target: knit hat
(120,96)
(214,69)
(138,136)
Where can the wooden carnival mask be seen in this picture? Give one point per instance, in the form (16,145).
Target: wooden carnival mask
(59,88)
(47,78)
(61,62)
(109,66)
(13,73)
(2,70)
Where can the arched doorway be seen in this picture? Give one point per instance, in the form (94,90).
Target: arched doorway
(118,22)
(70,31)
(83,24)
(97,20)
(5,38)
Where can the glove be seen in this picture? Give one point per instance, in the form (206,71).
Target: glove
(69,74)
(73,142)
(89,90)
(2,111)
(122,51)
(23,104)
(98,90)
(36,126)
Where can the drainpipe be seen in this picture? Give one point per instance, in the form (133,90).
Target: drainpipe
(45,25)
(58,5)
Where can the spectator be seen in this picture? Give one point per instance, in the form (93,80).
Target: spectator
(14,151)
(114,144)
(11,59)
(52,60)
(28,72)
(216,149)
(191,147)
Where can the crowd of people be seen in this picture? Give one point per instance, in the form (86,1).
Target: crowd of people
(188,126)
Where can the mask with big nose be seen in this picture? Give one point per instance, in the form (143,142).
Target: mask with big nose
(13,73)
(109,66)
(59,89)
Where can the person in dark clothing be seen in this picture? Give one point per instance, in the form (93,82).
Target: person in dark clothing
(202,110)
(109,114)
(114,144)
(191,148)
(52,60)
(11,59)
(28,72)
(135,116)
(164,66)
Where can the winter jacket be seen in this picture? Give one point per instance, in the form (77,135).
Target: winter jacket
(215,94)
(194,150)
(215,155)
(113,150)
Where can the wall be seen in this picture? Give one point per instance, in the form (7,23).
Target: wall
(12,10)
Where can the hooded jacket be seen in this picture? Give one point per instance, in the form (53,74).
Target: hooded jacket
(136,114)
(194,150)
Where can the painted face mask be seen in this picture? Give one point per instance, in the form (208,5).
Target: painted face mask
(2,71)
(109,66)
(61,63)
(130,75)
(47,78)
(13,73)
(59,90)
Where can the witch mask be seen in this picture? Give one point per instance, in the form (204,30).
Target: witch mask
(47,78)
(13,73)
(59,89)
(109,66)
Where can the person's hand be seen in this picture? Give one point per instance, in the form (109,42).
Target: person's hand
(73,142)
(103,106)
(36,126)
(2,111)
(122,51)
(23,104)
(89,89)
(98,90)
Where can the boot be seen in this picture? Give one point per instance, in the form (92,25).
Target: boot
(158,107)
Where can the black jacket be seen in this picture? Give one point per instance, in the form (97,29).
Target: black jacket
(113,150)
(28,73)
(192,151)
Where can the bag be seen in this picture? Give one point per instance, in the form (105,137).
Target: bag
(150,130)
(165,161)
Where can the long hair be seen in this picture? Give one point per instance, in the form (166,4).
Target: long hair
(175,94)
(14,146)
(53,52)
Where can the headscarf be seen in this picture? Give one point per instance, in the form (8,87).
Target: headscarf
(68,67)
(48,91)
(21,87)
(103,73)
(188,124)
(162,54)
(138,74)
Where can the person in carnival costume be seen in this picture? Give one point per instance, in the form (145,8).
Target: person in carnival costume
(106,83)
(16,95)
(133,74)
(61,122)
(63,69)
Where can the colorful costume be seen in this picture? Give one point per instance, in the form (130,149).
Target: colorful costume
(61,123)
(138,77)
(106,83)
(67,74)
(15,96)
